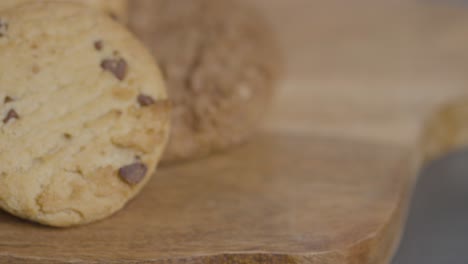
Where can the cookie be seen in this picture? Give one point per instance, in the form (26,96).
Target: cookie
(115,8)
(85,117)
(220,62)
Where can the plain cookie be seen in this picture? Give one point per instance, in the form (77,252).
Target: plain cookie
(115,8)
(220,62)
(84,114)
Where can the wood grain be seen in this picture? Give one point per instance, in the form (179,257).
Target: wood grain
(373,88)
(251,200)
(374,70)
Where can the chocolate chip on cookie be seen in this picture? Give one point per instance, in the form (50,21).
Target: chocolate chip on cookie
(3,27)
(67,135)
(10,115)
(98,45)
(35,69)
(145,100)
(113,16)
(118,67)
(133,173)
(8,99)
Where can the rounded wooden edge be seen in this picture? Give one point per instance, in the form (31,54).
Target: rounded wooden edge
(378,247)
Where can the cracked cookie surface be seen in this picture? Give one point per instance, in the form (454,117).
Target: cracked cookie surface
(220,62)
(84,114)
(115,8)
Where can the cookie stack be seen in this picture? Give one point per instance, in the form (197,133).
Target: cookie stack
(84,107)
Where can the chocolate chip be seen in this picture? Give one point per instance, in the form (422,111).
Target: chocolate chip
(98,45)
(133,173)
(7,99)
(113,15)
(10,115)
(35,69)
(145,100)
(67,135)
(118,67)
(3,27)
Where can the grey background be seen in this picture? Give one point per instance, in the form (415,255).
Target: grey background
(437,227)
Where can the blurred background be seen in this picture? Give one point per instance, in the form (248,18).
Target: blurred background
(408,56)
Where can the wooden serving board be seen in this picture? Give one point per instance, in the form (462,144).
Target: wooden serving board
(373,89)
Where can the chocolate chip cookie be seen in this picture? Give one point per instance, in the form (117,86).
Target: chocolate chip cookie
(84,112)
(220,62)
(115,8)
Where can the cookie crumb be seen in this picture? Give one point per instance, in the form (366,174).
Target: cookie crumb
(133,173)
(8,99)
(118,67)
(98,45)
(10,115)
(145,100)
